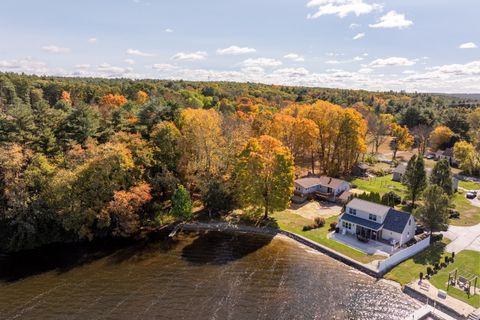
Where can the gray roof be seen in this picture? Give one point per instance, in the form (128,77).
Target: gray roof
(323,180)
(308,182)
(367,206)
(363,222)
(401,168)
(396,220)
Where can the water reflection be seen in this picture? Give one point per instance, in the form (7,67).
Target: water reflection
(195,276)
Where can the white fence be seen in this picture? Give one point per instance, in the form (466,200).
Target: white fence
(402,255)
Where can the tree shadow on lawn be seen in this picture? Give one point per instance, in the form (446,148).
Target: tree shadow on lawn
(432,255)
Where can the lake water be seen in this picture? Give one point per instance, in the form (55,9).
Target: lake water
(194,276)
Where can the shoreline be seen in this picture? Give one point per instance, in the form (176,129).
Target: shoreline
(411,292)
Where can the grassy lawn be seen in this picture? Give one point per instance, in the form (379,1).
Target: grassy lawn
(410,269)
(469,185)
(381,185)
(469,214)
(468,261)
(294,223)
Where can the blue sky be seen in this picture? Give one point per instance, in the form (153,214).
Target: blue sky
(413,45)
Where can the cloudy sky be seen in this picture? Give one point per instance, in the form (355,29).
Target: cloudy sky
(413,45)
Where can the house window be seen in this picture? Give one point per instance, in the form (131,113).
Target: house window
(347,225)
(352,211)
(372,217)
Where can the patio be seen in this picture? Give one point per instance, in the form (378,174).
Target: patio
(371,247)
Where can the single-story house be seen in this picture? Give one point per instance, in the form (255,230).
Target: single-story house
(399,172)
(360,170)
(324,187)
(446,154)
(401,168)
(369,220)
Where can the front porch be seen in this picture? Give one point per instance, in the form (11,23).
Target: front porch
(372,247)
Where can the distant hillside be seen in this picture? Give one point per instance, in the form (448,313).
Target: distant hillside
(469,96)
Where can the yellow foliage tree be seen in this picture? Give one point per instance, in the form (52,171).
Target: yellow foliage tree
(439,136)
(265,175)
(467,156)
(202,144)
(141,97)
(402,139)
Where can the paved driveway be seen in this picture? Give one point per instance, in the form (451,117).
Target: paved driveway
(463,238)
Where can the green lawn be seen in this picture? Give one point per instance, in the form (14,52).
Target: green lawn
(469,185)
(468,261)
(410,269)
(381,185)
(469,214)
(294,223)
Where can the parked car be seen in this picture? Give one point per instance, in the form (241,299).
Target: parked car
(430,156)
(471,195)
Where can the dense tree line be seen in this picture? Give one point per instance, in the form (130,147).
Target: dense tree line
(87,158)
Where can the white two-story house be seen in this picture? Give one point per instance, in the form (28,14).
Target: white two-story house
(369,220)
(324,187)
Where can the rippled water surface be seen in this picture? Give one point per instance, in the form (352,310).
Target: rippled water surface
(195,276)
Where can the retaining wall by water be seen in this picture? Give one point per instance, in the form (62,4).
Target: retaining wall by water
(333,254)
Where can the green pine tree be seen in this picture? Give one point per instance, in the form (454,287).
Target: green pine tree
(442,176)
(415,178)
(181,203)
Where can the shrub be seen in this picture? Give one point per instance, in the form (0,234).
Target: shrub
(453,256)
(437,237)
(443,265)
(307,228)
(319,222)
(436,266)
(429,271)
(333,226)
(447,260)
(421,275)
(391,199)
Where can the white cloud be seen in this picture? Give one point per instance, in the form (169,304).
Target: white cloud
(262,62)
(130,61)
(82,66)
(341,8)
(92,40)
(409,72)
(168,30)
(471,68)
(294,57)
(359,36)
(191,56)
(235,50)
(163,66)
(135,52)
(365,70)
(113,71)
(392,20)
(333,62)
(391,62)
(358,58)
(26,65)
(468,45)
(55,49)
(354,25)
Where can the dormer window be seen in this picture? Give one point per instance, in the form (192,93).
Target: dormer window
(352,211)
(372,217)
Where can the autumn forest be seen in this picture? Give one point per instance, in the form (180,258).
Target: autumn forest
(89,158)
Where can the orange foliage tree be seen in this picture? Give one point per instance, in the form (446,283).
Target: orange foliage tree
(124,210)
